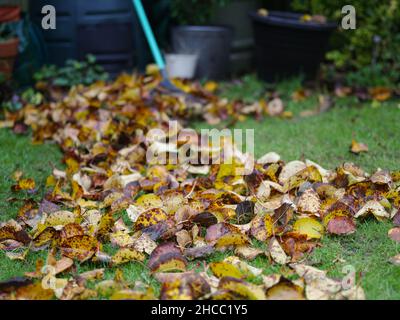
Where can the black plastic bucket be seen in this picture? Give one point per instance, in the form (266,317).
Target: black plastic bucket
(212,44)
(286,46)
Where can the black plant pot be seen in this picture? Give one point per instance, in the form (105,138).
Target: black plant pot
(212,44)
(286,46)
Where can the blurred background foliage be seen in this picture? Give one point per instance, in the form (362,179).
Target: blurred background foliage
(372,49)
(195,12)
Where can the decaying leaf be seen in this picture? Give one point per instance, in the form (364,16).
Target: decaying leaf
(198,252)
(81,248)
(309,202)
(144,244)
(11,230)
(149,218)
(180,204)
(394,234)
(183,238)
(24,184)
(183,286)
(395,260)
(309,227)
(34,292)
(285,290)
(246,269)
(271,280)
(225,269)
(374,208)
(125,255)
(94,274)
(277,253)
(128,294)
(262,227)
(341,225)
(248,252)
(232,239)
(358,147)
(240,289)
(167,257)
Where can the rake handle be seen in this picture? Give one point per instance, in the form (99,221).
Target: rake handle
(155,50)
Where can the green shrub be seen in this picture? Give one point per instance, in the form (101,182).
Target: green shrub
(73,73)
(195,12)
(376,40)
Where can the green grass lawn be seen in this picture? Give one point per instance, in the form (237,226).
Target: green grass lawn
(324,138)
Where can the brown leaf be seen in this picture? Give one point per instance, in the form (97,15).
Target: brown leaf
(24,184)
(277,253)
(34,292)
(183,238)
(248,252)
(358,147)
(262,227)
(182,286)
(149,218)
(167,257)
(394,234)
(205,219)
(395,260)
(216,231)
(94,274)
(144,244)
(380,93)
(198,252)
(309,202)
(241,289)
(396,219)
(285,291)
(11,230)
(81,247)
(341,225)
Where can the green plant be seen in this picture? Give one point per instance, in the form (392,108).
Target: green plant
(376,38)
(195,12)
(17,101)
(73,73)
(376,75)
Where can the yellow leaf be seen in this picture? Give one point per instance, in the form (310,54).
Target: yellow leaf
(167,257)
(149,218)
(81,248)
(149,201)
(225,269)
(242,289)
(24,184)
(285,291)
(309,227)
(211,86)
(262,227)
(126,255)
(358,147)
(232,239)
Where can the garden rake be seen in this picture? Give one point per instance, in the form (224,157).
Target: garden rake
(155,50)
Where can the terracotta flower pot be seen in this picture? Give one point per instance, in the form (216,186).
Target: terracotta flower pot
(8,53)
(10,13)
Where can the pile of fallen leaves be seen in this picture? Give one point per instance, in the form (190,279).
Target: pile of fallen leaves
(177,213)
